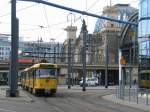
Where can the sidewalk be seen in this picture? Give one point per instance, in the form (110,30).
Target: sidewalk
(22,95)
(114,99)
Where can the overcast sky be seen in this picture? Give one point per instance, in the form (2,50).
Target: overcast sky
(53,21)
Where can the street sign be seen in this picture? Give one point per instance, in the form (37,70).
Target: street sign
(122,61)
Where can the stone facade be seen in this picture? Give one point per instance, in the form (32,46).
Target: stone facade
(106,33)
(109,32)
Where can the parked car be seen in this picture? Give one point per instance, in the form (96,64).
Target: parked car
(81,82)
(90,82)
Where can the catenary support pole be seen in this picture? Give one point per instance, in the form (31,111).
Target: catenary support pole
(13,90)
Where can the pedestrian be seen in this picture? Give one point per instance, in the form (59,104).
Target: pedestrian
(134,81)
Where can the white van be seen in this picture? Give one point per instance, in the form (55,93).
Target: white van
(90,81)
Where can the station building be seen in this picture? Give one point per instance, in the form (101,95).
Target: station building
(106,33)
(4,48)
(108,36)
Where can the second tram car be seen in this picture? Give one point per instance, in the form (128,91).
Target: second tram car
(144,79)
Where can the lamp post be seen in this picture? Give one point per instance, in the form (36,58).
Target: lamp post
(69,64)
(84,31)
(106,66)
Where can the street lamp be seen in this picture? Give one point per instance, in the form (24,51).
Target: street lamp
(106,65)
(84,31)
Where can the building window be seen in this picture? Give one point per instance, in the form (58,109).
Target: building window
(124,16)
(112,25)
(144,25)
(145,49)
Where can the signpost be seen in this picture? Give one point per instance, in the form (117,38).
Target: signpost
(122,62)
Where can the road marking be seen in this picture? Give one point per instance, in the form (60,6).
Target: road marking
(7,110)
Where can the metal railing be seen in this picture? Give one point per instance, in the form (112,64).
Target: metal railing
(136,95)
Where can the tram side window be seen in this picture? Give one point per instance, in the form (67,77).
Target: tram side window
(23,75)
(53,72)
(37,72)
(143,77)
(34,73)
(30,74)
(27,75)
(148,76)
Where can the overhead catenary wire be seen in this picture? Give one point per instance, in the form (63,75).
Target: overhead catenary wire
(100,12)
(35,25)
(60,34)
(19,10)
(134,1)
(130,2)
(48,25)
(92,5)
(4,5)
(46,17)
(8,35)
(32,29)
(87,9)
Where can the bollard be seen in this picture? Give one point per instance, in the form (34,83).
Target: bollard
(147,97)
(116,91)
(129,94)
(137,96)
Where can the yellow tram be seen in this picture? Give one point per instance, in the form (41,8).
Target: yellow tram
(144,79)
(40,78)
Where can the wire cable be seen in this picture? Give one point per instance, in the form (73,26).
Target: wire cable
(46,17)
(134,1)
(4,5)
(93,4)
(87,9)
(35,25)
(60,34)
(33,29)
(19,10)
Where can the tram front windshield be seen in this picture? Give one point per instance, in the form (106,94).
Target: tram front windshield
(45,72)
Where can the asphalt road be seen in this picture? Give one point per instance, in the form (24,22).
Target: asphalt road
(67,101)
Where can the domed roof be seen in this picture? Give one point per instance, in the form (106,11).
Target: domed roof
(121,11)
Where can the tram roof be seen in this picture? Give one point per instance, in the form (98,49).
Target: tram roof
(45,65)
(42,65)
(145,71)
